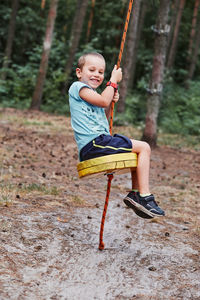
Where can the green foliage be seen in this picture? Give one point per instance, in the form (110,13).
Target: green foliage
(5,11)
(16,90)
(135,111)
(180,109)
(53,99)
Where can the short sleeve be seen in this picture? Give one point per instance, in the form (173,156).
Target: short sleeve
(75,89)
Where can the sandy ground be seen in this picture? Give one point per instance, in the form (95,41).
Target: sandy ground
(50,219)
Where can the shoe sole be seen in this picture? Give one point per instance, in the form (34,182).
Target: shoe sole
(141,214)
(136,206)
(136,210)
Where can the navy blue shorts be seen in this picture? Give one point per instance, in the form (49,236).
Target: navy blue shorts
(106,145)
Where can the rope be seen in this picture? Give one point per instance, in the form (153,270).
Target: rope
(120,55)
(101,243)
(110,176)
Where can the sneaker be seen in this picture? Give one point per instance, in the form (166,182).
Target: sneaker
(144,207)
(138,212)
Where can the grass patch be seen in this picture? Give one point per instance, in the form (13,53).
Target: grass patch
(34,187)
(179,141)
(8,192)
(77,200)
(26,122)
(6,195)
(36,123)
(166,139)
(6,200)
(129,131)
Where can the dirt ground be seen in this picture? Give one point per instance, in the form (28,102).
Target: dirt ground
(50,219)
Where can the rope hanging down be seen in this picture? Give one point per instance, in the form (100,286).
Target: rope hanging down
(120,55)
(110,176)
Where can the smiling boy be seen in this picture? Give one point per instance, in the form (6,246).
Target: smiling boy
(89,119)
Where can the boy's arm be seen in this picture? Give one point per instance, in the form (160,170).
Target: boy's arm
(101,100)
(115,99)
(105,98)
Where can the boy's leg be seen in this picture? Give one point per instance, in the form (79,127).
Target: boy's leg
(142,202)
(135,190)
(134,180)
(141,177)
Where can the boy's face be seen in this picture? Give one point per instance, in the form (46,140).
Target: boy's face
(92,72)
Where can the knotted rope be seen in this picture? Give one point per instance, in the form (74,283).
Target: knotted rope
(110,176)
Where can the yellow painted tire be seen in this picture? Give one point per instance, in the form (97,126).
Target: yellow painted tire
(120,163)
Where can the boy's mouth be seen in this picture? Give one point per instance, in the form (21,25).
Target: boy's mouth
(95,80)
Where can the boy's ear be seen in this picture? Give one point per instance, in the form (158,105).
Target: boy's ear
(78,73)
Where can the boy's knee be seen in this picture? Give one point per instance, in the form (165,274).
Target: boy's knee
(146,147)
(140,146)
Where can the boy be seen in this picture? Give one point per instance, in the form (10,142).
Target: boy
(89,119)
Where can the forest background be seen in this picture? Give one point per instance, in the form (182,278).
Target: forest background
(36,75)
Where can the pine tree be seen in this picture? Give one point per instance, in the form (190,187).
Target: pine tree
(37,95)
(173,47)
(90,20)
(160,49)
(75,37)
(10,39)
(195,53)
(139,33)
(128,58)
(193,44)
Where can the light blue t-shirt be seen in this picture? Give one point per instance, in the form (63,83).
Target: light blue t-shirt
(88,121)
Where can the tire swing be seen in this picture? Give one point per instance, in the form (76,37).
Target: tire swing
(110,164)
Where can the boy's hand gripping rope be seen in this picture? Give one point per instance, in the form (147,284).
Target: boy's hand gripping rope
(110,176)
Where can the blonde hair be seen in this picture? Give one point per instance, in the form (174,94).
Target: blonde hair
(81,60)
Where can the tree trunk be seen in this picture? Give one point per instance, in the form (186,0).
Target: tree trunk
(139,31)
(153,101)
(193,45)
(90,20)
(11,34)
(194,54)
(193,29)
(75,37)
(130,46)
(173,48)
(174,8)
(37,95)
(43,4)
